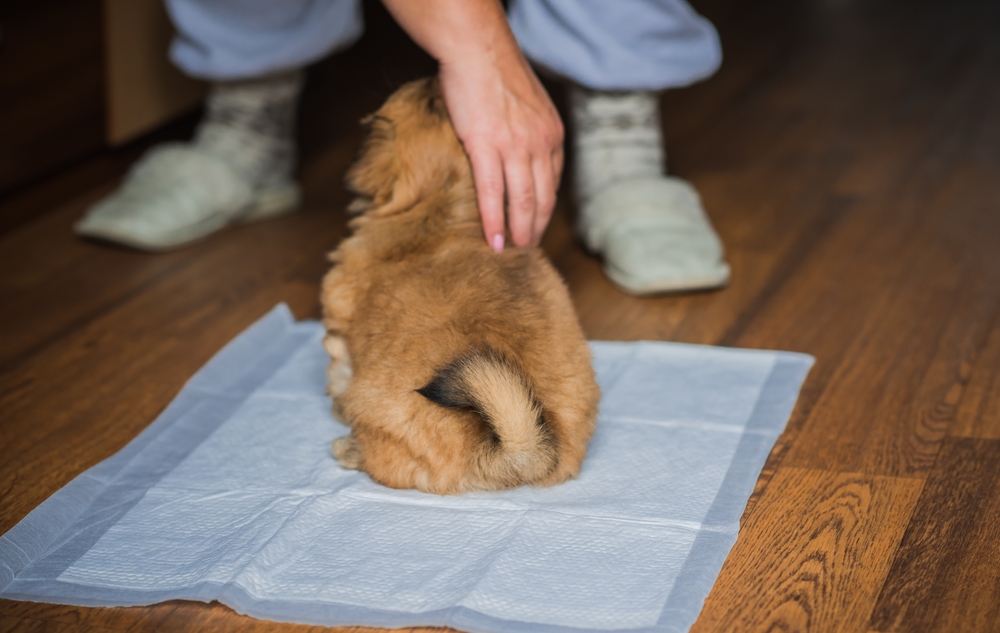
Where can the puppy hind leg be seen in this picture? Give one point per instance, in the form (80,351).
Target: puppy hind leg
(391,463)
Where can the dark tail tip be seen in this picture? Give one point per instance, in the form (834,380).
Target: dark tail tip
(447,388)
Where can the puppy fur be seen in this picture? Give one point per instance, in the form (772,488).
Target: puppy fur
(456,368)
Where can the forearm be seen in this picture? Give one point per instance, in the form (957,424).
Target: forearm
(458,31)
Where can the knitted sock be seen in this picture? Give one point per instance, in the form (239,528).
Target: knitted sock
(251,126)
(617,137)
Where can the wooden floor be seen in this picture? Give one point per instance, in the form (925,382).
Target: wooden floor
(849,155)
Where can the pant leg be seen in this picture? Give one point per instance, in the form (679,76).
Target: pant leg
(619,44)
(243,39)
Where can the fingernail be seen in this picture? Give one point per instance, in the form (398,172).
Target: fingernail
(498,243)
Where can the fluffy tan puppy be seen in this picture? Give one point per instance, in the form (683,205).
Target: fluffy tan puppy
(456,368)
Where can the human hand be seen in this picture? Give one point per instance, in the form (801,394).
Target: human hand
(514,138)
(500,111)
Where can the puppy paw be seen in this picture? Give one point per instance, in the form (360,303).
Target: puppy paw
(347,452)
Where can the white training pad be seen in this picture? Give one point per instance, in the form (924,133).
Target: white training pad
(232,495)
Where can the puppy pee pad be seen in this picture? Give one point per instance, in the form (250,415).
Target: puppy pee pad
(232,495)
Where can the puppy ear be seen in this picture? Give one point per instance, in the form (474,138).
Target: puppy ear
(372,176)
(411,152)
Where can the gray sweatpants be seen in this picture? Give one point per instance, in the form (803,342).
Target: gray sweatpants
(600,44)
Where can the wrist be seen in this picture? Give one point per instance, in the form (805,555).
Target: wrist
(497,50)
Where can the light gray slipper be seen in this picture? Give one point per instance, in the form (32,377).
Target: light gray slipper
(654,236)
(179,193)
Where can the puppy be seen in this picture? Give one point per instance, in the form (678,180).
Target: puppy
(456,368)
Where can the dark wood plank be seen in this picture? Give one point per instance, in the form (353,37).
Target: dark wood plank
(68,617)
(978,412)
(11,624)
(898,384)
(815,563)
(946,574)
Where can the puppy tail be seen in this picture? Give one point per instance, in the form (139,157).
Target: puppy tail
(518,446)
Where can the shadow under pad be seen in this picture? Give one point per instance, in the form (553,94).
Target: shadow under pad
(231,495)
